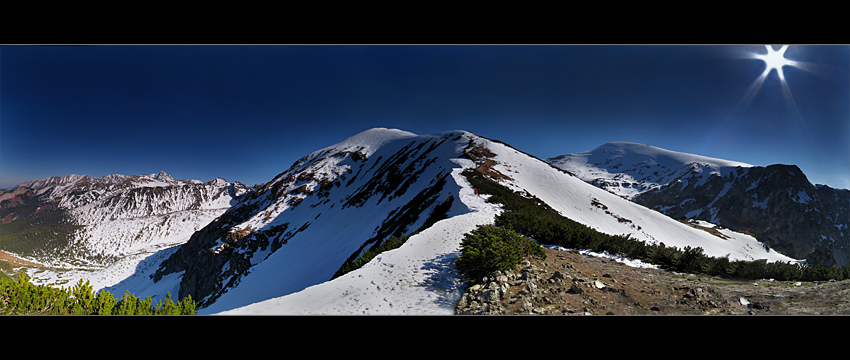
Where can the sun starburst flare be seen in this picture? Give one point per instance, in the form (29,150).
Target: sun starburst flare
(774,60)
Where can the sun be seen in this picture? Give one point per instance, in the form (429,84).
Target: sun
(775,60)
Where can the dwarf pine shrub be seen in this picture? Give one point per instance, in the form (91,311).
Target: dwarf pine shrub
(490,248)
(21,297)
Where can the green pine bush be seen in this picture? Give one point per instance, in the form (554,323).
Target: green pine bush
(490,248)
(21,297)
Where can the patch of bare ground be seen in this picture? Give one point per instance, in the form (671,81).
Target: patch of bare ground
(16,261)
(570,283)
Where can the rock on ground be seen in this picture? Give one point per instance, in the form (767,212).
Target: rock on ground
(570,283)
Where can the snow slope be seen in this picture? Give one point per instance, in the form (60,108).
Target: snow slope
(397,173)
(575,199)
(124,220)
(419,277)
(628,169)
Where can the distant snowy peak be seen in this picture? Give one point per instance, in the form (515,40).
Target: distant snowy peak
(628,169)
(69,180)
(613,153)
(137,193)
(163,176)
(365,142)
(58,186)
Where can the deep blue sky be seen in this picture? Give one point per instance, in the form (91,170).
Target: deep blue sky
(247,113)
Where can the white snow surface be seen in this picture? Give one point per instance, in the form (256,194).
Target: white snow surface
(131,222)
(628,169)
(418,278)
(367,141)
(313,255)
(572,197)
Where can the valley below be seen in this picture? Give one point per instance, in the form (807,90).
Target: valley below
(568,282)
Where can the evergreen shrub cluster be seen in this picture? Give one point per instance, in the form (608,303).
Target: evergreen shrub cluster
(21,297)
(392,242)
(490,248)
(5,268)
(531,217)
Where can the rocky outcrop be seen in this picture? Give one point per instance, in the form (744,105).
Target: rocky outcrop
(13,204)
(776,203)
(16,197)
(216,257)
(571,283)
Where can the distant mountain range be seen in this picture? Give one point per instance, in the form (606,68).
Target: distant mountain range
(279,247)
(106,218)
(776,203)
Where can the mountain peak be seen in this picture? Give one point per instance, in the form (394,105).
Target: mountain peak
(643,154)
(375,137)
(656,153)
(163,176)
(628,168)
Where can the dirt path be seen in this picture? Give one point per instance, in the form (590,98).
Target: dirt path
(568,282)
(15,261)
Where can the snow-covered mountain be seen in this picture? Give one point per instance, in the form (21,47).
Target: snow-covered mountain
(628,169)
(278,250)
(111,217)
(776,203)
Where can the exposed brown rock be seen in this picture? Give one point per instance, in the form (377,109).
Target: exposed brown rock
(569,283)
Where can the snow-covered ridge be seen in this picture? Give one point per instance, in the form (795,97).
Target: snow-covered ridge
(628,169)
(59,186)
(395,281)
(329,206)
(276,249)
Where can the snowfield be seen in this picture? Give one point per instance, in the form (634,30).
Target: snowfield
(418,278)
(628,169)
(575,199)
(120,221)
